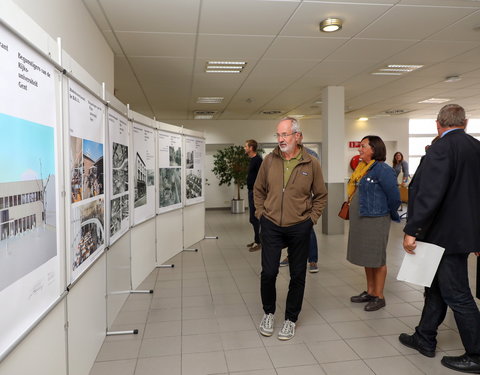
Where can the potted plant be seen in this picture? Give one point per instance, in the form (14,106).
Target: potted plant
(231,166)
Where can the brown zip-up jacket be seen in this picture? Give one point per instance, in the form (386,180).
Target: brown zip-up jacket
(304,197)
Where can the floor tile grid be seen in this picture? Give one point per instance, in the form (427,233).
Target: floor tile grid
(336,279)
(285,275)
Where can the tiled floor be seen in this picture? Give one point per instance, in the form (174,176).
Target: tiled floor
(204,313)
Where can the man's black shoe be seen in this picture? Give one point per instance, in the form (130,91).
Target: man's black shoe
(362,297)
(463,363)
(412,342)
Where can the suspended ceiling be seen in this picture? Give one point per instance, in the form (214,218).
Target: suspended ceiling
(161,48)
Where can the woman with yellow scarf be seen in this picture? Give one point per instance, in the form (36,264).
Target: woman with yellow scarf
(374,199)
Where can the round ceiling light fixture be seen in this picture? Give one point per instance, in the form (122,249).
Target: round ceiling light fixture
(330,25)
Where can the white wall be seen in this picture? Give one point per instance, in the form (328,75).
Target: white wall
(81,38)
(394,132)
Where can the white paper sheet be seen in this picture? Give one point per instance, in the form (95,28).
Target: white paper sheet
(420,268)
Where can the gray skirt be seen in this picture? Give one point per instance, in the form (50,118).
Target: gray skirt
(367,238)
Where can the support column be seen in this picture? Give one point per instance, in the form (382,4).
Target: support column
(333,156)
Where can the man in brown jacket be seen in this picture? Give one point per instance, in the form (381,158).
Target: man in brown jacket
(290,196)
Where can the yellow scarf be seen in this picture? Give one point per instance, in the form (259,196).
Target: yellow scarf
(357,175)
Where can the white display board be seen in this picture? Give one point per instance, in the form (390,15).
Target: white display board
(119,140)
(143,170)
(86,160)
(29,256)
(169,163)
(194,170)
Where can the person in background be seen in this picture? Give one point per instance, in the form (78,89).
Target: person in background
(250,147)
(374,196)
(290,196)
(400,165)
(443,208)
(313,252)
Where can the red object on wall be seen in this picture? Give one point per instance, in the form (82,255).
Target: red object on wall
(354,144)
(354,161)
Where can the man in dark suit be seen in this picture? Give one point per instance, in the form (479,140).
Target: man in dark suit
(444,209)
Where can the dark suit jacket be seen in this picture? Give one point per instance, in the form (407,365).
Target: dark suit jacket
(444,195)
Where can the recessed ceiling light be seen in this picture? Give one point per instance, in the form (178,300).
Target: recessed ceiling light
(209,99)
(396,69)
(411,67)
(386,74)
(435,101)
(330,25)
(363,119)
(225,66)
(203,115)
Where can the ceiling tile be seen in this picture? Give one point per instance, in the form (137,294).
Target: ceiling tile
(467,28)
(369,50)
(178,16)
(245,17)
(431,51)
(413,22)
(157,44)
(230,47)
(303,48)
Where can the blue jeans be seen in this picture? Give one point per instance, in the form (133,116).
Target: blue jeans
(450,287)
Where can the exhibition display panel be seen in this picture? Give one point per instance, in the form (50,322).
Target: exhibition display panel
(119,141)
(30,265)
(83,186)
(87,178)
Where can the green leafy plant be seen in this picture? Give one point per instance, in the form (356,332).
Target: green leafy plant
(231,166)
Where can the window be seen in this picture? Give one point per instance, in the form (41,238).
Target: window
(421,133)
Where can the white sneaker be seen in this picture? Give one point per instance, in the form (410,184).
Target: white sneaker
(266,325)
(287,331)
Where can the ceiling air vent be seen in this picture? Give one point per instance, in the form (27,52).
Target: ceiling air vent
(271,112)
(394,112)
(203,115)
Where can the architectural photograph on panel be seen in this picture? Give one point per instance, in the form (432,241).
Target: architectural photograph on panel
(116,215)
(124,206)
(169,186)
(27,198)
(150,177)
(92,169)
(76,162)
(119,168)
(140,182)
(194,183)
(175,156)
(190,159)
(91,231)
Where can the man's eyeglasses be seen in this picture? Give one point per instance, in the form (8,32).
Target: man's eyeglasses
(283,135)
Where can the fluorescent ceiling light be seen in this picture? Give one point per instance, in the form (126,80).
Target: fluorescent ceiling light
(210,99)
(435,101)
(222,71)
(411,67)
(227,63)
(396,69)
(363,119)
(203,117)
(236,67)
(386,74)
(225,66)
